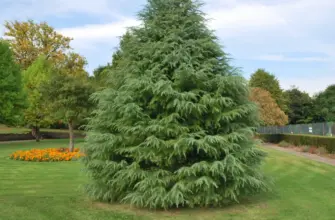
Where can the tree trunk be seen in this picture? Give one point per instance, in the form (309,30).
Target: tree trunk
(71,136)
(35,131)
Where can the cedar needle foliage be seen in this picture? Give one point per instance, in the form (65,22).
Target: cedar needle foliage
(176,127)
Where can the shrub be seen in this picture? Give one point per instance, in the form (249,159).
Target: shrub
(305,149)
(284,144)
(299,140)
(322,150)
(46,155)
(313,150)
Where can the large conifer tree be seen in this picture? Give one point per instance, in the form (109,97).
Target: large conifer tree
(177,128)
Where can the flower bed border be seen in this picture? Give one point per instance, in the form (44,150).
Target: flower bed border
(46,155)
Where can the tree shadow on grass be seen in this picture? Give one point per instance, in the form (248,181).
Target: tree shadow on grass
(259,201)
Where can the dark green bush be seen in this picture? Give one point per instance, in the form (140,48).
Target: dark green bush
(300,140)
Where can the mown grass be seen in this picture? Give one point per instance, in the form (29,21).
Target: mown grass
(303,190)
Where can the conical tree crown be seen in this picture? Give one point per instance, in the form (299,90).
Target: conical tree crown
(176,129)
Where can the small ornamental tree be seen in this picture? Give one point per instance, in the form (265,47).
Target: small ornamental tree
(69,97)
(38,111)
(68,92)
(177,130)
(269,111)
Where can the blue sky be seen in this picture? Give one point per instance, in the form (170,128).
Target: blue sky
(294,39)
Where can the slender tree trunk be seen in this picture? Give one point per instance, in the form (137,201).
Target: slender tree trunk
(35,131)
(38,134)
(71,136)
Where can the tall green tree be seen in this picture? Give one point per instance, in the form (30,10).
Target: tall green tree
(300,106)
(267,81)
(69,97)
(177,128)
(325,105)
(11,94)
(38,111)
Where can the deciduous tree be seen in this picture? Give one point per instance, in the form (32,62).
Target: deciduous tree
(38,112)
(100,76)
(269,111)
(73,64)
(300,106)
(68,92)
(325,105)
(11,94)
(29,40)
(267,81)
(177,128)
(69,97)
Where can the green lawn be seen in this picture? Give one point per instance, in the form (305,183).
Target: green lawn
(303,190)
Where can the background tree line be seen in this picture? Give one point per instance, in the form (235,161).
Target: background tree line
(44,83)
(298,106)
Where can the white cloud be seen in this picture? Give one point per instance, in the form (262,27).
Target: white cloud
(101,31)
(229,19)
(90,37)
(244,17)
(312,85)
(290,26)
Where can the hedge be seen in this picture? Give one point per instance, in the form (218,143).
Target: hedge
(300,140)
(44,135)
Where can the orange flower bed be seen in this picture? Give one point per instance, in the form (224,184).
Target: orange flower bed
(46,155)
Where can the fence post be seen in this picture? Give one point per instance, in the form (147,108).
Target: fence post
(323,129)
(330,124)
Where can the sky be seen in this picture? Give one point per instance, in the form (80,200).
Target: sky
(293,39)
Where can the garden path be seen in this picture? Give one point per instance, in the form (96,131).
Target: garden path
(314,157)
